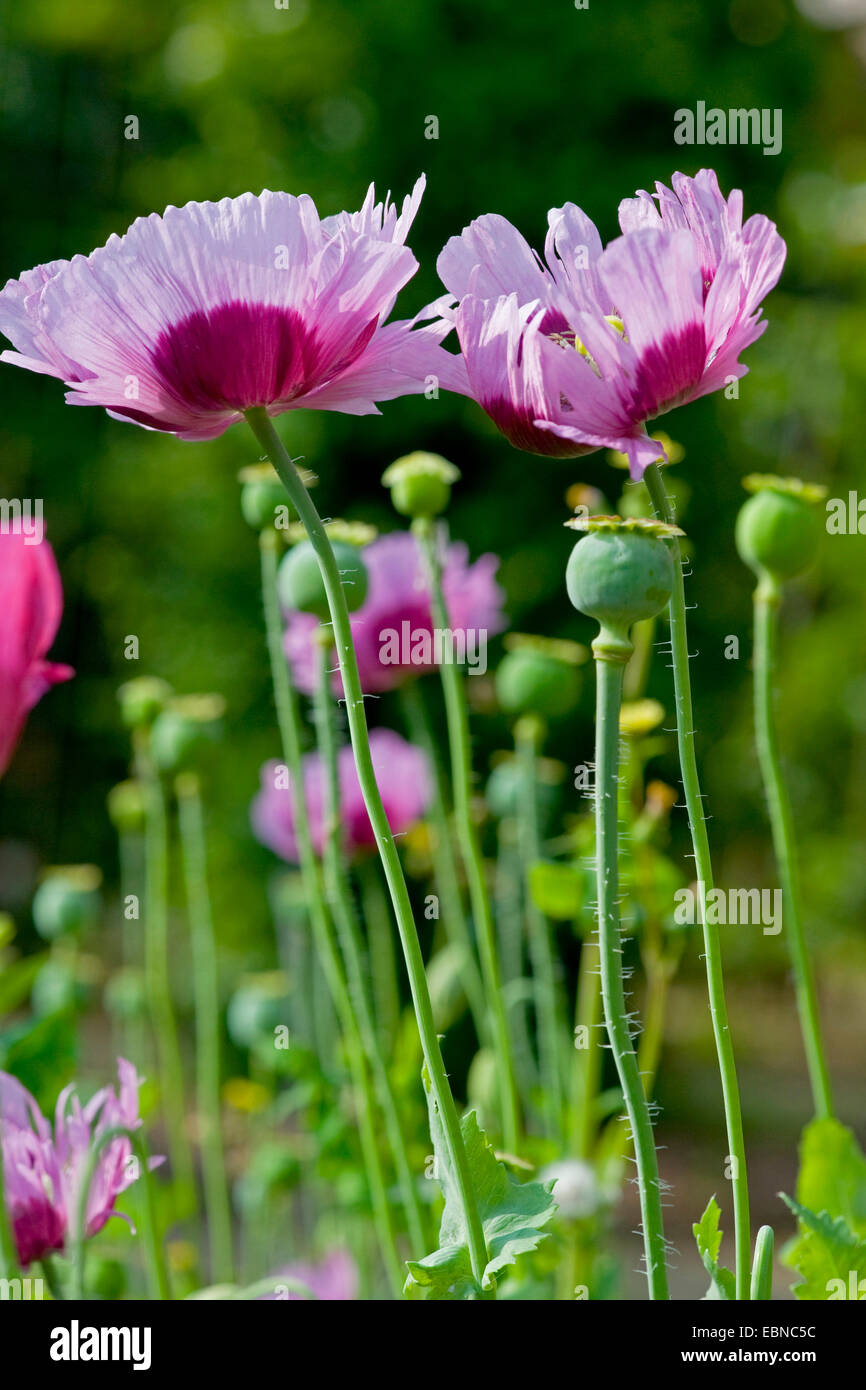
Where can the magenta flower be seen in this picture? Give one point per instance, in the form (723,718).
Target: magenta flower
(42,1174)
(393,629)
(334,1279)
(193,317)
(31,604)
(579,353)
(404,783)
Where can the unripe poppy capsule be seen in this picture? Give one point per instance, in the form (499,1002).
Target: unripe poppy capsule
(420,484)
(620,573)
(300,584)
(540,677)
(778,529)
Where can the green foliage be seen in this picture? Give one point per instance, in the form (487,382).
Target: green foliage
(831,1211)
(557,890)
(512,1214)
(825,1252)
(708,1237)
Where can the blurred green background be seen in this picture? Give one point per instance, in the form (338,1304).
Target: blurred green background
(536,105)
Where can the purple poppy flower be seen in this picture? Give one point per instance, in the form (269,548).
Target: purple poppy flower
(334,1279)
(42,1174)
(579,351)
(404,783)
(195,316)
(393,628)
(31,604)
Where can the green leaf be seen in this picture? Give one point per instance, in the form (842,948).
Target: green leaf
(556,890)
(833,1173)
(827,1253)
(708,1237)
(511,1212)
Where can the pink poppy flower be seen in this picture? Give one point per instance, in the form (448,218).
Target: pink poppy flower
(42,1174)
(393,628)
(577,352)
(193,317)
(404,783)
(334,1279)
(31,604)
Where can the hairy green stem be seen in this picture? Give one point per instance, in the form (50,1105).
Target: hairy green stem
(704,868)
(608,700)
(207,1027)
(457,716)
(339,896)
(767,601)
(289,722)
(270,441)
(445,873)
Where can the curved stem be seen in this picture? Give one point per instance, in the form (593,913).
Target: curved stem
(609,695)
(445,873)
(156,1257)
(470,849)
(342,906)
(267,436)
(157,975)
(289,723)
(767,600)
(704,868)
(538,933)
(207,1027)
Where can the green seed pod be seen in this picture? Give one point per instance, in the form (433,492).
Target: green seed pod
(537,676)
(56,989)
(420,484)
(142,699)
(778,529)
(260,500)
(183,731)
(620,573)
(67,900)
(256,1008)
(125,995)
(300,584)
(126,807)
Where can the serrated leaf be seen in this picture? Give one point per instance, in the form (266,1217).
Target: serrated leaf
(827,1253)
(833,1174)
(708,1238)
(512,1214)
